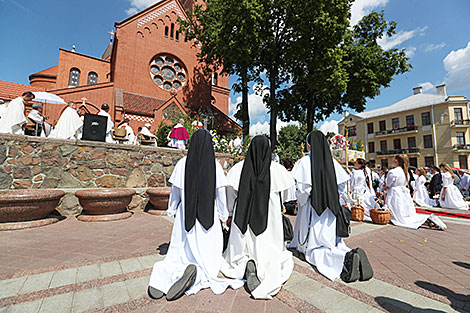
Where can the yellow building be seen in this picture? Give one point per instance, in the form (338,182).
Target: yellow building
(429,128)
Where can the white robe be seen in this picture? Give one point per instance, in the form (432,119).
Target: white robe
(199,246)
(361,192)
(398,200)
(318,241)
(421,195)
(3,108)
(109,126)
(69,125)
(129,134)
(453,197)
(465,183)
(145,131)
(13,118)
(175,142)
(274,263)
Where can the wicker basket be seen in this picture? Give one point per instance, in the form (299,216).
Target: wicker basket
(357,213)
(379,216)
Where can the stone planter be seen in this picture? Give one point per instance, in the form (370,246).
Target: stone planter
(159,198)
(28,208)
(102,205)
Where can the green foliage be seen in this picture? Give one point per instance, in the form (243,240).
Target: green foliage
(162,134)
(291,139)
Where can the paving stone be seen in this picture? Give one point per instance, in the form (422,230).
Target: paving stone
(294,279)
(87,273)
(87,300)
(350,305)
(130,265)
(137,288)
(110,269)
(11,287)
(305,289)
(60,303)
(64,277)
(149,260)
(26,307)
(115,293)
(325,298)
(36,282)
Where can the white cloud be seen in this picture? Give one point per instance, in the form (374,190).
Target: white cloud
(431,47)
(410,51)
(256,107)
(426,86)
(329,126)
(400,37)
(263,128)
(138,5)
(361,8)
(457,65)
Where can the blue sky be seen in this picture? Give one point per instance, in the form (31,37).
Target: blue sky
(434,32)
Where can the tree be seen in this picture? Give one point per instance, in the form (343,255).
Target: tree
(290,139)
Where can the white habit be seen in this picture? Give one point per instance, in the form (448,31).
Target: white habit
(13,118)
(421,195)
(274,263)
(199,246)
(362,191)
(453,197)
(69,125)
(109,126)
(318,241)
(398,200)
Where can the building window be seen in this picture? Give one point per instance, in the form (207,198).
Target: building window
(74,78)
(458,114)
(414,162)
(382,126)
(426,118)
(397,144)
(172,31)
(371,147)
(384,163)
(177,35)
(168,72)
(460,138)
(463,162)
(410,120)
(214,79)
(395,123)
(371,163)
(427,141)
(352,131)
(92,78)
(383,145)
(370,128)
(428,161)
(166,31)
(411,142)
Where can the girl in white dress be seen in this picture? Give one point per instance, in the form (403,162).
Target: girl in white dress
(361,186)
(421,195)
(398,199)
(450,198)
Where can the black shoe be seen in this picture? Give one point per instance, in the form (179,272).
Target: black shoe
(155,293)
(183,284)
(351,271)
(252,281)
(366,271)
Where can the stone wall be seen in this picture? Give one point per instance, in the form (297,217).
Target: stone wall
(42,163)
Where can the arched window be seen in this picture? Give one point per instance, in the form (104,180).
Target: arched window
(214,79)
(166,31)
(172,30)
(177,35)
(92,78)
(74,78)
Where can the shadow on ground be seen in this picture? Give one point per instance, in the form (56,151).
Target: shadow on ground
(462,264)
(396,306)
(457,300)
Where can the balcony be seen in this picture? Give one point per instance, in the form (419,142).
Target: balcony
(397,131)
(399,151)
(460,123)
(461,148)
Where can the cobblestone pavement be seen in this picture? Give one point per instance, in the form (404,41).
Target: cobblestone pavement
(74,266)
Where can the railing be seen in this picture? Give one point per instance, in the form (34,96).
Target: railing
(459,123)
(462,147)
(399,151)
(397,130)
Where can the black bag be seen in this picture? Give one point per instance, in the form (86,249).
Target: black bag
(226,235)
(291,207)
(287,226)
(343,222)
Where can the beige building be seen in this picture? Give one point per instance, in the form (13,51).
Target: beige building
(429,128)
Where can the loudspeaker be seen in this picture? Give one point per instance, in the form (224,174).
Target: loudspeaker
(94,127)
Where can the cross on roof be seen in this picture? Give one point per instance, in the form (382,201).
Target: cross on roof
(112,33)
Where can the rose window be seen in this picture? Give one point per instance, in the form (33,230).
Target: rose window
(168,72)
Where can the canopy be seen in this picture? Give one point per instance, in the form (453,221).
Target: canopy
(46,97)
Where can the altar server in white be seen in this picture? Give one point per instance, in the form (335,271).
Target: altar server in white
(316,233)
(13,117)
(69,125)
(451,198)
(110,125)
(421,195)
(256,243)
(129,132)
(398,199)
(198,202)
(362,189)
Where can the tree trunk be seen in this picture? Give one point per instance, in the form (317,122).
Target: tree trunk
(273,107)
(245,115)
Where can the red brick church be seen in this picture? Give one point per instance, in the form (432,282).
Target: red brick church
(148,73)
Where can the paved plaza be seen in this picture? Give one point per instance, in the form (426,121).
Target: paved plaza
(73,266)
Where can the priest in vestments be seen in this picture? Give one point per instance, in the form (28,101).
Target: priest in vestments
(110,125)
(69,125)
(13,117)
(198,203)
(129,132)
(256,246)
(35,115)
(178,136)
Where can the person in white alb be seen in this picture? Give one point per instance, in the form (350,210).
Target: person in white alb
(129,132)
(110,125)
(421,195)
(450,198)
(35,115)
(13,118)
(69,125)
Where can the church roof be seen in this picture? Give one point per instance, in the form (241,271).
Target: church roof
(51,71)
(107,52)
(138,104)
(10,91)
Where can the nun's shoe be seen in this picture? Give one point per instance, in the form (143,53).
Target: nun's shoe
(351,270)
(252,281)
(366,271)
(183,284)
(155,293)
(439,223)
